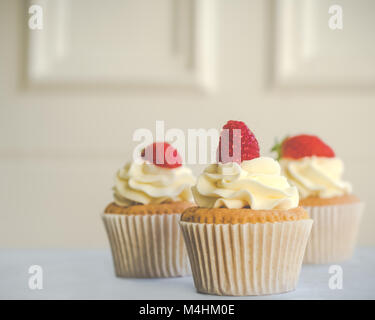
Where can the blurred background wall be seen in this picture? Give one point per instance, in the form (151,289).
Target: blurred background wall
(72,94)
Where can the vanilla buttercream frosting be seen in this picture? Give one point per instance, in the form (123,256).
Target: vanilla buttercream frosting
(257,184)
(147,183)
(316,176)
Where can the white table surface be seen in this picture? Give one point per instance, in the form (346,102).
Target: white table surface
(88,274)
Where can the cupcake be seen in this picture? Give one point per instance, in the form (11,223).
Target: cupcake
(313,168)
(142,221)
(247,236)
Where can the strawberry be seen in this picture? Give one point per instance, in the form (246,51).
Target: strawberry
(229,151)
(303,145)
(162,154)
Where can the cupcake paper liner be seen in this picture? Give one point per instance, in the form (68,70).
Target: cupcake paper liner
(147,246)
(246,259)
(334,233)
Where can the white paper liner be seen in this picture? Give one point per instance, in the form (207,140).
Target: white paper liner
(147,246)
(333,235)
(246,259)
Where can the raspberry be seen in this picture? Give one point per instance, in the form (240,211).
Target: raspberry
(162,154)
(301,146)
(237,132)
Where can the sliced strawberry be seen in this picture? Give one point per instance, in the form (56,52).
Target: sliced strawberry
(301,146)
(162,154)
(237,143)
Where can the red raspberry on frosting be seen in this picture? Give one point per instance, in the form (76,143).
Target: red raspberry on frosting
(237,143)
(162,154)
(301,146)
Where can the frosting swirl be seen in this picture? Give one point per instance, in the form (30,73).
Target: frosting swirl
(316,176)
(147,183)
(255,183)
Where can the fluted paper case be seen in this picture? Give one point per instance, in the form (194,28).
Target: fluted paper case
(147,246)
(334,233)
(246,259)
